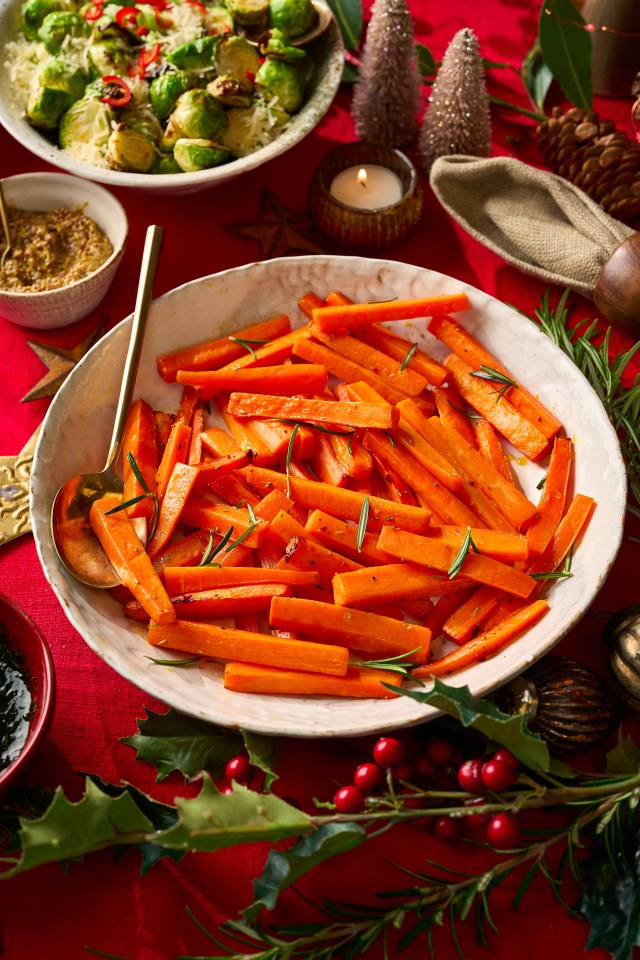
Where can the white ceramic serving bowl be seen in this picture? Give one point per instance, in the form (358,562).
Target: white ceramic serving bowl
(327,52)
(62,306)
(76,431)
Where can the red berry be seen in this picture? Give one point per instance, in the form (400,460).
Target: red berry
(470,776)
(238,769)
(423,824)
(446,828)
(477,821)
(440,751)
(367,777)
(505,756)
(412,801)
(404,771)
(503,830)
(388,752)
(349,800)
(423,766)
(497,776)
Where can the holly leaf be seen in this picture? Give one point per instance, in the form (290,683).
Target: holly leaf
(262,753)
(426,63)
(68,830)
(173,741)
(348,13)
(536,76)
(611,897)
(285,867)
(510,731)
(214,820)
(566,48)
(624,757)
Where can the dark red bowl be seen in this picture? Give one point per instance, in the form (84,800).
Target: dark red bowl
(25,637)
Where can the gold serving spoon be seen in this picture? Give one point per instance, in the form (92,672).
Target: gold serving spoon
(4,216)
(77,546)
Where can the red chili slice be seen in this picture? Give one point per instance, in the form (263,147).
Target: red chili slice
(118,94)
(163,22)
(199,6)
(94,12)
(127,16)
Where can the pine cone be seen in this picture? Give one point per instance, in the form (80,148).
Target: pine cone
(595,156)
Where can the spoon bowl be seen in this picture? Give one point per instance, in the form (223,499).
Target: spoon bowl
(75,542)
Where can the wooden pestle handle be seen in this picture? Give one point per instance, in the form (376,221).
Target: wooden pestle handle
(617,290)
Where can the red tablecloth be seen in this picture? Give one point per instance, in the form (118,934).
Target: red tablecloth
(108,906)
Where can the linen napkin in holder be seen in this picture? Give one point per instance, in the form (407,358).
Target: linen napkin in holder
(546,226)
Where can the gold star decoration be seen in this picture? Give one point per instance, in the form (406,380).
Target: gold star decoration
(59,363)
(279,230)
(15,472)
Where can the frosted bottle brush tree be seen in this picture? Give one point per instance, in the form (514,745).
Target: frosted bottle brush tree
(386,98)
(457,119)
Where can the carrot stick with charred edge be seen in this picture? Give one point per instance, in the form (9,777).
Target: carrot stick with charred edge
(511,503)
(176,451)
(483,396)
(343,538)
(227,601)
(440,556)
(283,380)
(215,353)
(357,629)
(230,489)
(450,407)
(486,644)
(450,332)
(129,559)
(357,682)
(437,497)
(350,316)
(507,547)
(225,643)
(345,369)
(488,443)
(195,579)
(181,482)
(140,442)
(337,501)
(199,512)
(383,416)
(391,583)
(296,539)
(379,363)
(194,455)
(461,624)
(552,500)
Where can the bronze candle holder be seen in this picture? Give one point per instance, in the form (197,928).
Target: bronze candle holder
(348,223)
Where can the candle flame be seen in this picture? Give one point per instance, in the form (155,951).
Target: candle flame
(362,178)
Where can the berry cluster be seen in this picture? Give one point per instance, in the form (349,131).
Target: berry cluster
(239,770)
(437,765)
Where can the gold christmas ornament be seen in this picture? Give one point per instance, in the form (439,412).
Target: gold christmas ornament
(622,633)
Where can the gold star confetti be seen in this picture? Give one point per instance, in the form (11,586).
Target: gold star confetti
(279,230)
(59,362)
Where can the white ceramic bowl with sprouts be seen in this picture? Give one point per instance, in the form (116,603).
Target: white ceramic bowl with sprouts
(327,58)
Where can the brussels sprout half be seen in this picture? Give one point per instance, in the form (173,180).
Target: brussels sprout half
(87,123)
(59,24)
(236,57)
(165,90)
(230,92)
(275,78)
(129,150)
(33,13)
(200,154)
(195,56)
(293,17)
(197,115)
(248,13)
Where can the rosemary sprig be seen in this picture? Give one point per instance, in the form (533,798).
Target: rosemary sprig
(211,552)
(398,664)
(466,545)
(407,360)
(621,403)
(488,373)
(248,344)
(172,663)
(362,523)
(287,462)
(143,496)
(555,574)
(317,426)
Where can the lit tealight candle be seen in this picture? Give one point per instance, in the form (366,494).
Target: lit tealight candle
(369,187)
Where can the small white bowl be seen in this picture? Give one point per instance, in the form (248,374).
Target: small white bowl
(64,305)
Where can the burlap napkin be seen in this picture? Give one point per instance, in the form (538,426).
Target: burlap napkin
(537,221)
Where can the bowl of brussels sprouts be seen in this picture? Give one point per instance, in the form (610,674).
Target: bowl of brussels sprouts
(166,96)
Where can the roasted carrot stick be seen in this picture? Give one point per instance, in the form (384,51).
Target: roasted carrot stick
(346,369)
(227,601)
(219,442)
(463,622)
(310,301)
(440,556)
(508,547)
(337,501)
(269,354)
(552,500)
(225,643)
(220,516)
(379,363)
(499,411)
(343,537)
(350,316)
(194,454)
(140,441)
(175,451)
(129,559)
(271,505)
(484,645)
(283,380)
(181,482)
(450,407)
(449,331)
(351,415)
(357,682)
(357,629)
(399,348)
(188,403)
(455,594)
(212,470)
(489,445)
(194,579)
(303,551)
(214,353)
(389,583)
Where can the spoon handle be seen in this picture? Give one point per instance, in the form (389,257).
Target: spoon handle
(150,255)
(4,217)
